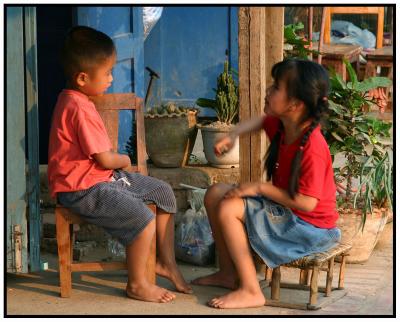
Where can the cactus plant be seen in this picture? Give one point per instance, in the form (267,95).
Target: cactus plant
(226,102)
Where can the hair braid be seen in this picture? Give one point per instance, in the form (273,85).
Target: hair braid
(273,151)
(296,162)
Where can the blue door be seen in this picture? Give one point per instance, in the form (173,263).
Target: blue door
(125,26)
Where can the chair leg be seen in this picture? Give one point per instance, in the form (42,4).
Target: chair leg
(314,286)
(64,253)
(329,277)
(341,273)
(276,283)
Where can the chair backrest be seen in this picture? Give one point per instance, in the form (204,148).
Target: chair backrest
(355,10)
(109,106)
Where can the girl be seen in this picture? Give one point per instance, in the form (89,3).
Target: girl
(86,176)
(290,217)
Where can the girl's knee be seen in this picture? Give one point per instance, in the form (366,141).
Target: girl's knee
(215,193)
(231,208)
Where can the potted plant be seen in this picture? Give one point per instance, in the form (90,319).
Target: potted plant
(226,106)
(170,132)
(365,145)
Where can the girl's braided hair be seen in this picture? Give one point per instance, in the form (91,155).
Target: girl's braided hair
(308,82)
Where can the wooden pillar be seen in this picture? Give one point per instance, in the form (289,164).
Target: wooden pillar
(260,47)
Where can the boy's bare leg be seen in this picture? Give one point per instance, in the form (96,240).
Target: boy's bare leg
(138,286)
(226,276)
(166,265)
(248,294)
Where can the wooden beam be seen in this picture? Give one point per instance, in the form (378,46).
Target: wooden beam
(260,47)
(244,89)
(257,88)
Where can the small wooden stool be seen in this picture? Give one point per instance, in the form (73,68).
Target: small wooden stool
(313,263)
(334,54)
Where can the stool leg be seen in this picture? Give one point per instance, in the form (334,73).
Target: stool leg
(341,273)
(329,277)
(64,253)
(268,274)
(314,286)
(304,276)
(276,283)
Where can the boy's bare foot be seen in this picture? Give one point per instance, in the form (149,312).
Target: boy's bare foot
(238,299)
(149,293)
(219,278)
(171,272)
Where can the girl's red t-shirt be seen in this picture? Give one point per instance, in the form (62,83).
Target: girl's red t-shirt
(77,132)
(316,177)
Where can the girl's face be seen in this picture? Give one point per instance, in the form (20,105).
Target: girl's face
(277,102)
(98,81)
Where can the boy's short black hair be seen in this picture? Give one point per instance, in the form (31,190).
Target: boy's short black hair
(83,49)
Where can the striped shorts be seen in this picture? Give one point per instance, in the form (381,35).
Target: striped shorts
(119,206)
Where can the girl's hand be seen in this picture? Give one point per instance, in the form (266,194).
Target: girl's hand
(244,190)
(225,144)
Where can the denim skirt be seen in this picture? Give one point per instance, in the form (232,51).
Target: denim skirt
(278,236)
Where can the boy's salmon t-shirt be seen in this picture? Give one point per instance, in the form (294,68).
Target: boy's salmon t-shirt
(316,177)
(77,132)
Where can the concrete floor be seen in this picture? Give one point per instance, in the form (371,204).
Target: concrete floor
(369,286)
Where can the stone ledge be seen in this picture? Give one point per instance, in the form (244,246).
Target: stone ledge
(201,176)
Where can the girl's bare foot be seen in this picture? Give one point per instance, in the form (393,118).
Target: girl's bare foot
(219,278)
(149,293)
(240,298)
(171,272)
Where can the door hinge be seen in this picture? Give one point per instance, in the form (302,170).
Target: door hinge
(17,235)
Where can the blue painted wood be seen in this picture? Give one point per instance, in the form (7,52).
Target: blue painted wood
(15,151)
(187,47)
(125,26)
(32,136)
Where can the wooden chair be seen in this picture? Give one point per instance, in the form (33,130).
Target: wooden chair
(313,264)
(380,11)
(108,106)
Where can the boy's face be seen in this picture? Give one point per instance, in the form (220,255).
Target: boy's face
(99,80)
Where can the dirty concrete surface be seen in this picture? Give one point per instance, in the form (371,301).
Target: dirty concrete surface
(369,286)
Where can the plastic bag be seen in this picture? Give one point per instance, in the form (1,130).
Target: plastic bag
(193,238)
(150,17)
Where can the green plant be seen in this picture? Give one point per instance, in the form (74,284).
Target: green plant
(296,45)
(226,102)
(364,141)
(169,109)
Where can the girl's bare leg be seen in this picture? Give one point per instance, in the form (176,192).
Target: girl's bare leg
(166,265)
(249,294)
(226,276)
(138,286)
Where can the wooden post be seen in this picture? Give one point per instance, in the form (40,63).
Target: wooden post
(244,89)
(257,54)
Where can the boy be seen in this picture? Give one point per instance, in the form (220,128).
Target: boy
(86,176)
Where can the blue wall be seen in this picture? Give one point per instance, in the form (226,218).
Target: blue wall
(187,48)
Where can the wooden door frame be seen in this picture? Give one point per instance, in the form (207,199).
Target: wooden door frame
(257,54)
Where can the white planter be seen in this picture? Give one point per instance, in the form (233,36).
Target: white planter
(211,135)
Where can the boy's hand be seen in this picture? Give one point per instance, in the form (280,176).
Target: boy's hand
(224,145)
